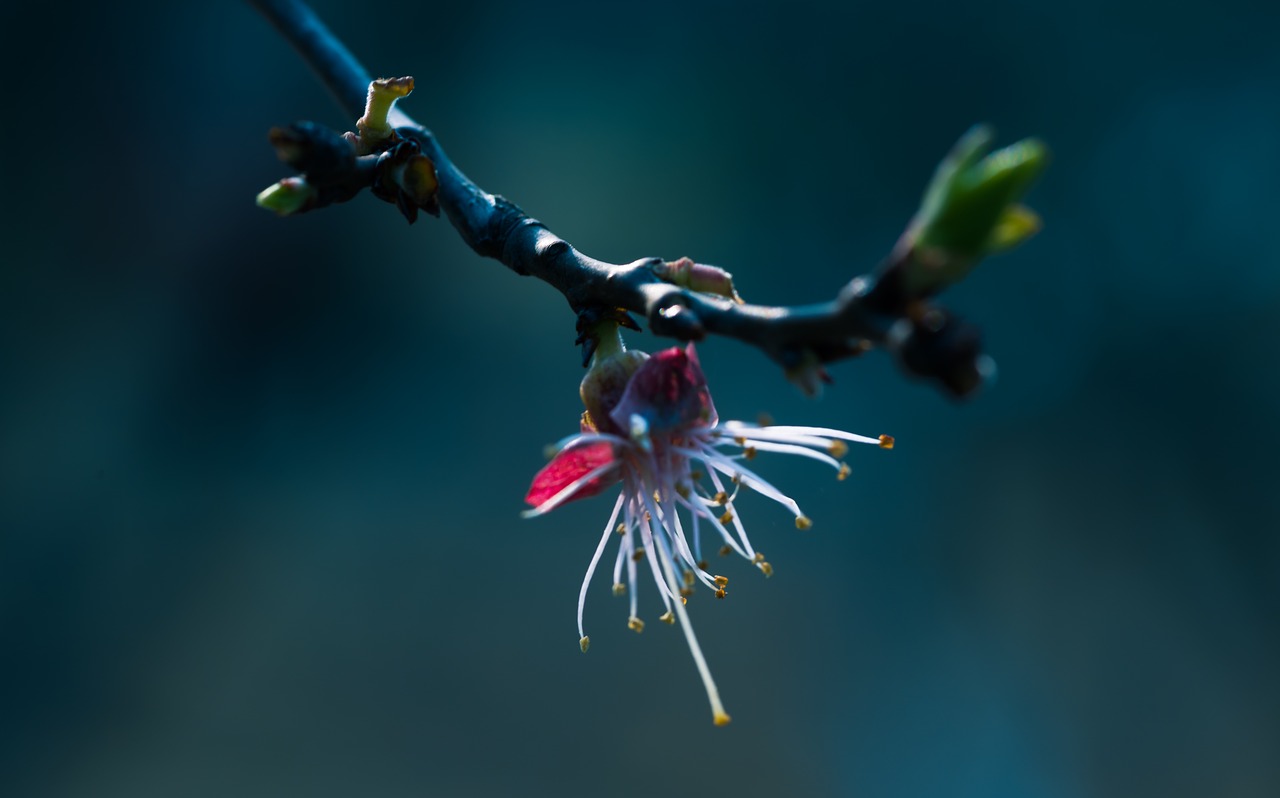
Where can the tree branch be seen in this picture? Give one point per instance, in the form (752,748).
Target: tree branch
(968,212)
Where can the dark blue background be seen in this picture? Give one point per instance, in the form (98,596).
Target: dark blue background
(260,478)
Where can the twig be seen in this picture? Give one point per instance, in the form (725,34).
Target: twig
(887,308)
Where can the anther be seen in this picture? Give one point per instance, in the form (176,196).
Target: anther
(886,441)
(696,476)
(764,420)
(803,522)
(721,581)
(721,592)
(741,441)
(838,448)
(759,558)
(667,617)
(639,552)
(726,518)
(703,565)
(843,473)
(635,624)
(749,452)
(689,578)
(725,551)
(683,491)
(686,592)
(622,529)
(766,569)
(720,498)
(720,719)
(584,643)
(619,589)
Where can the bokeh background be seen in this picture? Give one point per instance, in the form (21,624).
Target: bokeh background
(260,478)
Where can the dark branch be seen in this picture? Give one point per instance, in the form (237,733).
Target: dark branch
(888,308)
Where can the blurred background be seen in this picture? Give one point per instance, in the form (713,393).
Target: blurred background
(260,478)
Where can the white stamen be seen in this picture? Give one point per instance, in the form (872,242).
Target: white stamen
(591,569)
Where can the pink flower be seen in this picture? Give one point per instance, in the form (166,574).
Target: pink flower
(651,426)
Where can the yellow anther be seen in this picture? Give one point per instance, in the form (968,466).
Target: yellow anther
(726,518)
(638,555)
(686,592)
(843,473)
(766,569)
(635,624)
(703,565)
(764,420)
(758,558)
(838,448)
(725,551)
(657,497)
(741,441)
(721,581)
(683,491)
(721,592)
(737,478)
(619,589)
(667,617)
(803,522)
(683,601)
(696,476)
(584,643)
(720,498)
(689,578)
(720,719)
(886,441)
(622,529)
(749,452)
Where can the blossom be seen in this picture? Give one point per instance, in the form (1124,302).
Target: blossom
(651,426)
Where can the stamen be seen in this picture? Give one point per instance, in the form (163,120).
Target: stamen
(759,558)
(619,588)
(766,569)
(635,624)
(721,592)
(720,498)
(718,715)
(843,473)
(886,441)
(696,476)
(584,643)
(803,522)
(689,579)
(721,581)
(749,452)
(667,617)
(638,554)
(838,448)
(703,565)
(725,551)
(726,518)
(595,560)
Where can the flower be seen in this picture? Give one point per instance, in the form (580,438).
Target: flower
(651,426)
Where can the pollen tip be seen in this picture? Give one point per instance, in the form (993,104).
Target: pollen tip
(758,558)
(886,441)
(720,498)
(683,601)
(622,529)
(638,555)
(749,452)
(667,617)
(696,476)
(838,448)
(764,420)
(725,551)
(803,522)
(619,589)
(703,565)
(844,472)
(721,592)
(721,581)
(721,719)
(584,643)
(726,518)
(686,592)
(635,624)
(766,569)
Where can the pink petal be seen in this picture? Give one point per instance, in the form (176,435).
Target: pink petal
(669,391)
(569,465)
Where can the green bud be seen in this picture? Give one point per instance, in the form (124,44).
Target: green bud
(971,210)
(289,196)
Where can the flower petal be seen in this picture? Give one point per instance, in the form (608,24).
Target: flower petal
(669,391)
(573,463)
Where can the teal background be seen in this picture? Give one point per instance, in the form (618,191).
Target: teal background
(260,478)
